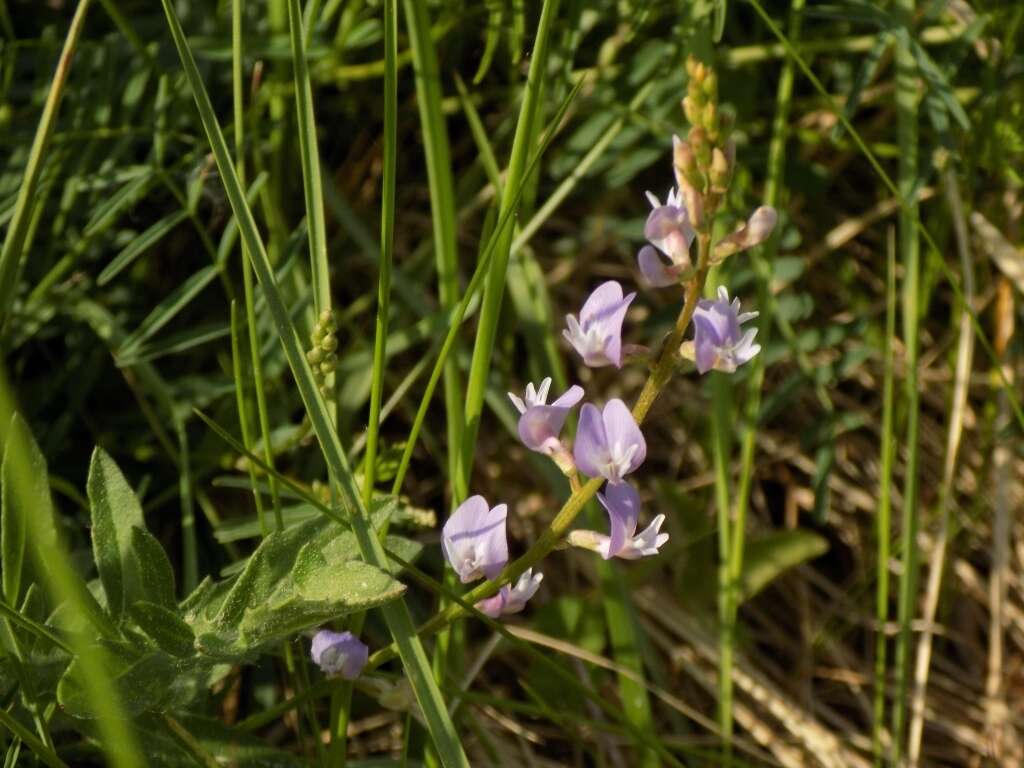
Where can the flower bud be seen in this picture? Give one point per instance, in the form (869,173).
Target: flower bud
(698,138)
(709,119)
(710,85)
(315,356)
(692,111)
(329,342)
(327,318)
(691,63)
(719,173)
(328,365)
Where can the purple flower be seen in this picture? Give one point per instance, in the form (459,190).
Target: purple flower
(609,444)
(623,505)
(540,423)
(670,232)
(512,599)
(597,336)
(339,653)
(474,539)
(718,341)
(755,231)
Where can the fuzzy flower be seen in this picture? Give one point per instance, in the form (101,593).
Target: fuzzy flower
(719,342)
(512,599)
(474,539)
(609,444)
(669,229)
(339,653)
(597,335)
(540,423)
(623,505)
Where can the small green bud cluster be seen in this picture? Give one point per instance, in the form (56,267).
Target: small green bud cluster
(323,354)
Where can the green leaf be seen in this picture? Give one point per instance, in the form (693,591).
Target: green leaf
(12,520)
(140,245)
(156,576)
(151,683)
(769,555)
(321,591)
(165,628)
(115,512)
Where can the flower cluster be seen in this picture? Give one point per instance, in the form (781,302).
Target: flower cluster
(609,443)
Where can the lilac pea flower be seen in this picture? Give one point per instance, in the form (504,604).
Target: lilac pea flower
(339,653)
(474,539)
(540,423)
(512,599)
(609,444)
(719,342)
(623,505)
(597,335)
(669,229)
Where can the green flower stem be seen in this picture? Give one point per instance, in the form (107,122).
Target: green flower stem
(560,525)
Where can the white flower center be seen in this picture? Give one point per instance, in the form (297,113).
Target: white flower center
(619,460)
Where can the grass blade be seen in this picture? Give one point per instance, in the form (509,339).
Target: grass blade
(396,614)
(18,229)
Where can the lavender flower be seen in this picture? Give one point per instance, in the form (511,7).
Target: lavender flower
(474,539)
(339,653)
(512,599)
(670,232)
(540,423)
(609,444)
(597,336)
(718,341)
(623,505)
(755,231)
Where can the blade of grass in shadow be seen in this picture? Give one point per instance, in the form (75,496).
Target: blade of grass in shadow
(494,290)
(721,421)
(18,228)
(459,313)
(55,566)
(883,528)
(396,613)
(761,260)
(243,413)
(238,104)
(341,698)
(957,410)
(442,201)
(909,250)
(309,154)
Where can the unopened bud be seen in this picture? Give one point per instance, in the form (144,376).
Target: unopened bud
(315,356)
(691,64)
(698,138)
(758,228)
(719,173)
(328,365)
(710,85)
(329,342)
(692,111)
(709,119)
(327,318)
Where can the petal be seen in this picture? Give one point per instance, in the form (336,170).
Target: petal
(493,547)
(517,402)
(541,425)
(475,526)
(493,606)
(612,325)
(591,448)
(605,296)
(324,639)
(569,399)
(525,588)
(654,270)
(621,428)
(623,505)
